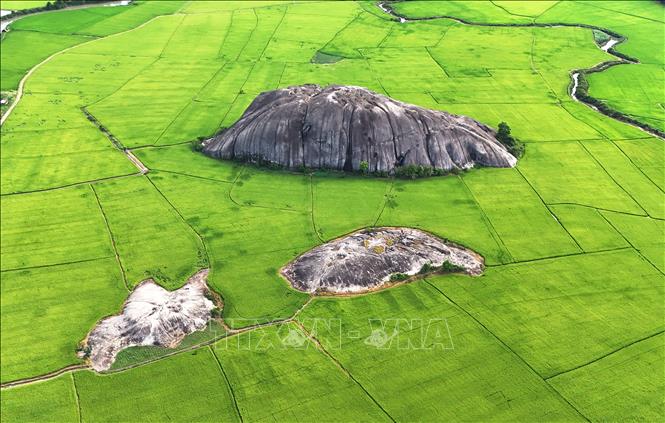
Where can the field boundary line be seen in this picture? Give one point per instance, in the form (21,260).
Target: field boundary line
(624,13)
(637,341)
(311,198)
(175,30)
(226,34)
(193,176)
(228,383)
(124,84)
(630,243)
(21,85)
(635,165)
(251,34)
(113,244)
(616,182)
(189,102)
(40,266)
(588,101)
(78,399)
(487,219)
(356,16)
(75,184)
(143,169)
(519,357)
(546,10)
(388,192)
(325,352)
(566,203)
(145,146)
(45,376)
(228,334)
(554,216)
(198,235)
(533,19)
(560,256)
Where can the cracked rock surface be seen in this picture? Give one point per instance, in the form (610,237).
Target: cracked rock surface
(366,259)
(151,316)
(338,127)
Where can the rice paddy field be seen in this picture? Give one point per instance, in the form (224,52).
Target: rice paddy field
(565,324)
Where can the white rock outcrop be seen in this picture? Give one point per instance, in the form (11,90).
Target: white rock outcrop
(151,316)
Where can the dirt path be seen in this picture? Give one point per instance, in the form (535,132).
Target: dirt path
(45,376)
(138,163)
(21,84)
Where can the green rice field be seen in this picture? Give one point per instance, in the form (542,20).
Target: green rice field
(565,324)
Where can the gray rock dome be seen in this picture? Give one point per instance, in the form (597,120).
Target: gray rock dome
(338,127)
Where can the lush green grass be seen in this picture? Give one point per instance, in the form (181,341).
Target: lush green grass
(42,159)
(47,311)
(182,159)
(523,223)
(473,11)
(581,212)
(343,204)
(51,228)
(22,50)
(650,198)
(646,235)
(631,379)
(247,244)
(647,155)
(53,400)
(21,4)
(639,30)
(446,207)
(192,382)
(561,313)
(36,37)
(66,21)
(438,363)
(134,356)
(275,380)
(556,172)
(591,231)
(151,238)
(634,90)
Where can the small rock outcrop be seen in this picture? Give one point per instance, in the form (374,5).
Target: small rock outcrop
(151,316)
(340,127)
(371,258)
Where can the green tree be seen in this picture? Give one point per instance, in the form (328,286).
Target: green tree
(504,136)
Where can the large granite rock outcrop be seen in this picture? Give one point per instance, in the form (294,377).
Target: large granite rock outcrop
(338,127)
(371,258)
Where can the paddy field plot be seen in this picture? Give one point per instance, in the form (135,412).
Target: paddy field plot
(264,366)
(51,400)
(565,324)
(33,38)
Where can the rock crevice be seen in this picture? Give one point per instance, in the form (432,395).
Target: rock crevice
(340,127)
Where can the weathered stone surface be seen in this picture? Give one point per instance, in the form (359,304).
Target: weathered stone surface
(339,127)
(366,259)
(151,316)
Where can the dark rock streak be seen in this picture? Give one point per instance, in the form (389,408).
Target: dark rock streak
(339,127)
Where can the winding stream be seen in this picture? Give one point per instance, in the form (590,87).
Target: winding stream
(575,74)
(609,44)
